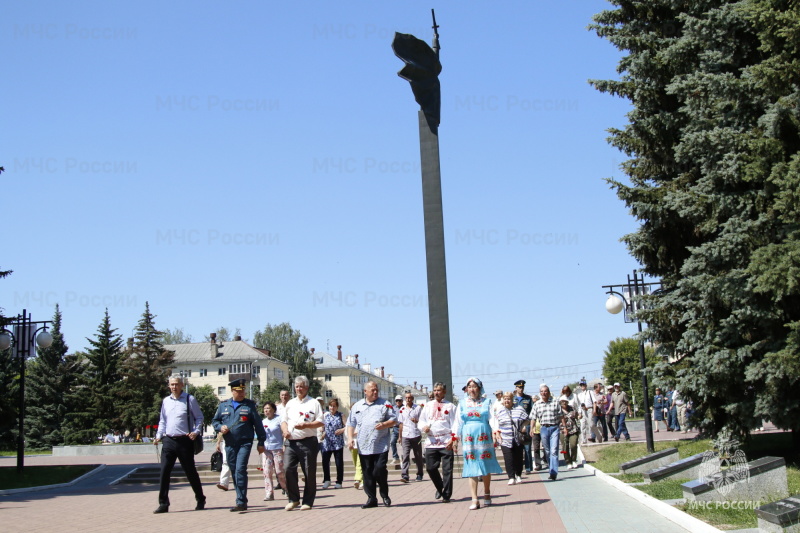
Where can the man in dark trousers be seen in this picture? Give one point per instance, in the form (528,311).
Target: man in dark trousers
(180,423)
(239,421)
(526,402)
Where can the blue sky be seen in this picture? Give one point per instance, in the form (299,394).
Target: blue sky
(243,163)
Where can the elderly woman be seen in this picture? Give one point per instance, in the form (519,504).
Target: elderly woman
(510,421)
(333,445)
(473,426)
(570,430)
(272,458)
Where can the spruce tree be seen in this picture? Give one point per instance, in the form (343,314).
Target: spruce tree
(93,400)
(146,367)
(713,146)
(48,376)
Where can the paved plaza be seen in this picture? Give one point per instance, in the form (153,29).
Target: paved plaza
(579,501)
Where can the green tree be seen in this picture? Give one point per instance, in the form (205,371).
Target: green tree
(290,346)
(714,169)
(145,369)
(9,374)
(45,401)
(224,334)
(175,336)
(93,398)
(621,365)
(273,392)
(207,400)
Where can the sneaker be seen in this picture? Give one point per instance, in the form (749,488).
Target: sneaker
(518,480)
(305,507)
(292,505)
(269,498)
(326,484)
(512,481)
(337,486)
(419,477)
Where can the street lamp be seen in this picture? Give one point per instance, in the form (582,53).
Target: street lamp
(626,297)
(26,332)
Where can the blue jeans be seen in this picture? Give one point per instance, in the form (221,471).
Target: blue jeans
(393,441)
(550,438)
(672,419)
(238,456)
(622,429)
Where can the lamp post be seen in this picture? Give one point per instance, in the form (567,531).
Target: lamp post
(627,300)
(26,333)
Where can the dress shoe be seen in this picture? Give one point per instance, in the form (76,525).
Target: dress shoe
(161,509)
(404,480)
(387,501)
(419,477)
(445,500)
(437,495)
(201,505)
(238,508)
(552,477)
(220,486)
(370,504)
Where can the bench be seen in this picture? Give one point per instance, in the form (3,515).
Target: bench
(689,468)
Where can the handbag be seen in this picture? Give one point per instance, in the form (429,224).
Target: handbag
(216,462)
(198,441)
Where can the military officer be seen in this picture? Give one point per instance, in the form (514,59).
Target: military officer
(526,402)
(238,421)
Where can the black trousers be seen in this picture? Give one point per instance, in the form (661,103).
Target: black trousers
(373,467)
(182,449)
(513,460)
(338,457)
(444,481)
(303,452)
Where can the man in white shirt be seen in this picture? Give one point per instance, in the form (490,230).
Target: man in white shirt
(586,401)
(410,436)
(299,427)
(436,419)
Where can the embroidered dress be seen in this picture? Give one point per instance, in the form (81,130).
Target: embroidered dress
(476,439)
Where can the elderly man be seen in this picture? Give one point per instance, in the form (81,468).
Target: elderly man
(437,419)
(622,409)
(526,402)
(239,422)
(586,402)
(371,419)
(180,423)
(303,417)
(548,412)
(410,436)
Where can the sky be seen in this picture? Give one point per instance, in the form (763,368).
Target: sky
(243,163)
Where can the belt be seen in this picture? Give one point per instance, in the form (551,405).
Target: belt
(548,425)
(177,437)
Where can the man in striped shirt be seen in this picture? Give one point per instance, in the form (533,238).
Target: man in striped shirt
(548,412)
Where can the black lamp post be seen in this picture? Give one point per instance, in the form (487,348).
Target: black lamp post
(26,332)
(628,300)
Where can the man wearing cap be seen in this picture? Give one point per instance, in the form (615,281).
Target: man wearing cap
(181,422)
(239,421)
(526,402)
(410,437)
(395,431)
(585,400)
(303,417)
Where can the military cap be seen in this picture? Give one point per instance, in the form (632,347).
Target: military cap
(237,384)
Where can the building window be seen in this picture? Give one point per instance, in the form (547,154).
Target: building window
(278,373)
(329,393)
(221,372)
(239,368)
(203,372)
(220,391)
(328,377)
(256,370)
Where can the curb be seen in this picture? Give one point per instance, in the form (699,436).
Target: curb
(96,470)
(684,520)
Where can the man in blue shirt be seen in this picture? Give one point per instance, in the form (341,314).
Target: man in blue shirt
(180,422)
(526,402)
(371,419)
(239,421)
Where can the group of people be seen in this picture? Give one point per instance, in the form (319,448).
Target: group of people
(602,411)
(671,409)
(292,433)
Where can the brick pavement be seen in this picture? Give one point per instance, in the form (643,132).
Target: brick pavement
(577,502)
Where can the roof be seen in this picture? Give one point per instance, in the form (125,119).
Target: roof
(330,362)
(228,351)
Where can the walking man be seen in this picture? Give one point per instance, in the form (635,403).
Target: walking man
(239,422)
(180,423)
(410,437)
(436,419)
(303,417)
(548,412)
(586,402)
(622,408)
(371,418)
(526,402)
(395,438)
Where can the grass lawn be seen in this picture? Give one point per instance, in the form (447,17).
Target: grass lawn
(34,476)
(9,453)
(759,445)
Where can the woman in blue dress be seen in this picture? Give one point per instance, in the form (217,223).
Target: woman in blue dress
(474,425)
(659,406)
